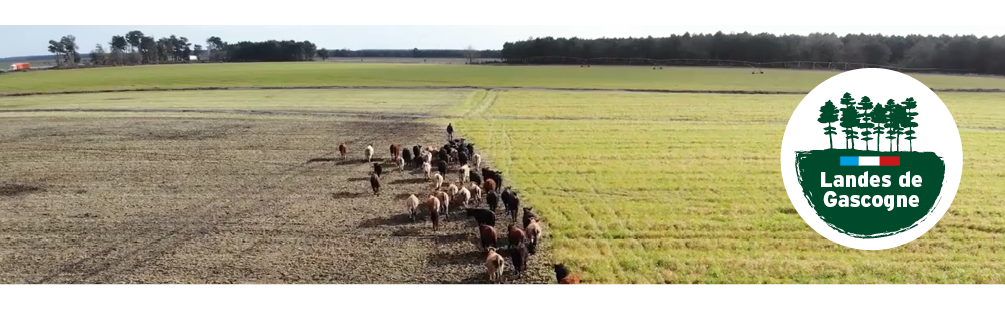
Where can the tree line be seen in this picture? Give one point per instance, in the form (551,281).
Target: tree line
(863,120)
(985,55)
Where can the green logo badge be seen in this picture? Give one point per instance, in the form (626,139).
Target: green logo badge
(871,159)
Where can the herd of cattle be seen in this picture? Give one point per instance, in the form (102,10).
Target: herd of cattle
(467,192)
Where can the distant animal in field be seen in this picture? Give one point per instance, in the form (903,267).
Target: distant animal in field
(442,167)
(438,180)
(519,257)
(368,153)
(433,207)
(342,150)
(492,198)
(407,155)
(482,216)
(494,266)
(477,159)
(563,276)
(488,236)
(427,169)
(464,196)
(444,202)
(476,192)
(465,173)
(533,235)
(375,183)
(378,169)
(528,214)
(400,162)
(412,205)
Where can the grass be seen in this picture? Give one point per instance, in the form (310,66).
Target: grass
(642,198)
(634,187)
(315,74)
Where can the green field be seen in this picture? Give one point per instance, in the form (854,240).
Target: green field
(332,74)
(633,187)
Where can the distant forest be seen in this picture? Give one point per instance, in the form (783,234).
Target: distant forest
(959,54)
(985,55)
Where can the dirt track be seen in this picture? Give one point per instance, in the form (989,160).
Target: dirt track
(166,200)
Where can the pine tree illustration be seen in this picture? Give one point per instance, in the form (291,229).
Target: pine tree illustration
(895,122)
(849,120)
(909,114)
(828,115)
(879,116)
(865,123)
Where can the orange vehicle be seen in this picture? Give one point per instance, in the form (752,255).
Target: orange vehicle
(20,67)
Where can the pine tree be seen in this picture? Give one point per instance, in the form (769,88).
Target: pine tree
(908,122)
(894,122)
(828,115)
(879,116)
(865,121)
(849,120)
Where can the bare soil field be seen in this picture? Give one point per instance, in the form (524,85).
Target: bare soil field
(222,200)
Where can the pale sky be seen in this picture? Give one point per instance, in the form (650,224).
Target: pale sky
(33,40)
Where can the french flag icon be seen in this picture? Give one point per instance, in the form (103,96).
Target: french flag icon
(870,161)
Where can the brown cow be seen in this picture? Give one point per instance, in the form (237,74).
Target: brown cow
(433,206)
(375,183)
(488,236)
(516,236)
(489,185)
(395,151)
(342,150)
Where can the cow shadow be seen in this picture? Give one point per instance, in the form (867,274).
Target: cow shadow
(358,179)
(409,181)
(349,195)
(395,220)
(315,160)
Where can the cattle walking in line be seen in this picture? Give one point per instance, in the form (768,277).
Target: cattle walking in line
(444,202)
(375,183)
(342,150)
(465,173)
(433,206)
(442,167)
(407,155)
(462,157)
(437,180)
(512,202)
(471,149)
(482,216)
(494,175)
(427,169)
(492,198)
(452,189)
(528,214)
(475,177)
(368,153)
(519,257)
(400,163)
(464,196)
(418,161)
(516,236)
(476,192)
(488,236)
(533,235)
(412,204)
(477,159)
(490,185)
(395,151)
(494,266)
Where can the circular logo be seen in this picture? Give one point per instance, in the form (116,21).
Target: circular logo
(871,159)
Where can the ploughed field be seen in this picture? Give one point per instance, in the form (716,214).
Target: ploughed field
(215,186)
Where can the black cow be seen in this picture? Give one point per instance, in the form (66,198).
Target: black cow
(443,155)
(482,216)
(462,157)
(378,169)
(415,150)
(442,167)
(471,148)
(475,177)
(493,200)
(511,202)
(406,155)
(495,176)
(519,257)
(528,213)
(418,160)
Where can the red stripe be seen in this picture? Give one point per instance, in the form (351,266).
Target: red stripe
(889,161)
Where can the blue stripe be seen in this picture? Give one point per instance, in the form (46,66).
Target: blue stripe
(849,161)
